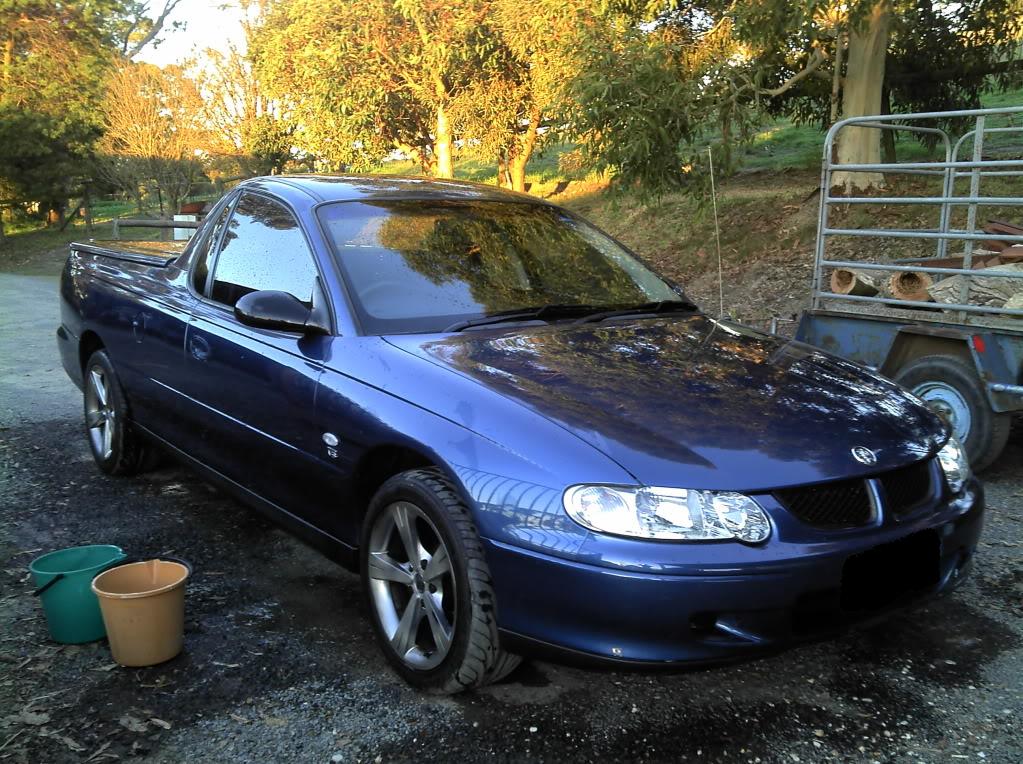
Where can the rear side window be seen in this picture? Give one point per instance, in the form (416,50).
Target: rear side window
(201,271)
(263,248)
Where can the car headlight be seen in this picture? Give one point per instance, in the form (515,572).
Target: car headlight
(952,458)
(675,514)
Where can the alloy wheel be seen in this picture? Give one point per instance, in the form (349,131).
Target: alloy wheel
(99,413)
(412,585)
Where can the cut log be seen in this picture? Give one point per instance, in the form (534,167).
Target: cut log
(1015,303)
(849,281)
(910,285)
(991,290)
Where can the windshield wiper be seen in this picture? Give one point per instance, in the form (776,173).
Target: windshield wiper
(539,313)
(663,306)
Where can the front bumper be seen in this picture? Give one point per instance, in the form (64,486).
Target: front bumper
(576,611)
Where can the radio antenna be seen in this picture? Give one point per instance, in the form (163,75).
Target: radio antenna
(717,234)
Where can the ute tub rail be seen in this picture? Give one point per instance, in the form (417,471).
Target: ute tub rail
(158,258)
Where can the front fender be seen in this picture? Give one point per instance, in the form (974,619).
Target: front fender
(509,463)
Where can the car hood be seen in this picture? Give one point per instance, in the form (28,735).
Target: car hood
(696,402)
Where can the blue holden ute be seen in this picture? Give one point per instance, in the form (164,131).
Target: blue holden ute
(524,439)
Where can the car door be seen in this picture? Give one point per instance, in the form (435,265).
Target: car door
(254,389)
(158,326)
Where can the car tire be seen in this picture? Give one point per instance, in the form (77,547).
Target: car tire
(435,617)
(951,388)
(116,446)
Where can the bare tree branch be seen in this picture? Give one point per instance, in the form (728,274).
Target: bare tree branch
(818,58)
(154,30)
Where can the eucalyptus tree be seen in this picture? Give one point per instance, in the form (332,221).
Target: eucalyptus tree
(821,59)
(372,76)
(518,89)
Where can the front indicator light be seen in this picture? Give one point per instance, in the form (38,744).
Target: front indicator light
(671,514)
(952,458)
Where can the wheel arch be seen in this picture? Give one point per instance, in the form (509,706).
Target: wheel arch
(88,344)
(912,343)
(384,461)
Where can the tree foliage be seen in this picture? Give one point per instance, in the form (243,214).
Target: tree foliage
(819,60)
(252,129)
(367,78)
(54,60)
(153,131)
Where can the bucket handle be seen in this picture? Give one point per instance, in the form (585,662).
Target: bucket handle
(59,576)
(128,560)
(47,585)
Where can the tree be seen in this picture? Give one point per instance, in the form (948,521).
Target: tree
(519,80)
(822,60)
(903,55)
(153,131)
(249,126)
(136,26)
(371,77)
(43,158)
(54,60)
(649,101)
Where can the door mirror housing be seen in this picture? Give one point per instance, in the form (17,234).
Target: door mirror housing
(271,309)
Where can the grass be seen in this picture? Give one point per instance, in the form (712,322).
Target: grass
(543,167)
(783,145)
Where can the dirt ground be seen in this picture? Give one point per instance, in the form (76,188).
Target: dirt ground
(280,664)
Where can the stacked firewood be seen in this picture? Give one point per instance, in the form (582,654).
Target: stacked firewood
(918,286)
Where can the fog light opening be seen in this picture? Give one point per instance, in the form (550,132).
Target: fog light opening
(703,623)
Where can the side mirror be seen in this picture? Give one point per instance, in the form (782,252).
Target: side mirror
(270,309)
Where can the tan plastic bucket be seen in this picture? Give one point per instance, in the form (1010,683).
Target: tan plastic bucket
(143,606)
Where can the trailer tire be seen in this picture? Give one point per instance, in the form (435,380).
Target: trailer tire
(952,388)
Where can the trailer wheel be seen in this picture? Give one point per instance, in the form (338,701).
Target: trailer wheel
(952,389)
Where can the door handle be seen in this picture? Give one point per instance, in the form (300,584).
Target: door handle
(198,348)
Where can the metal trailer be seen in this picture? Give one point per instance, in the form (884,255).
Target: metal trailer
(964,359)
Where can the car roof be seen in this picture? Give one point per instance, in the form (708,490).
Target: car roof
(345,188)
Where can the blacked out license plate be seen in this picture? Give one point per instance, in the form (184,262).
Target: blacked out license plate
(887,573)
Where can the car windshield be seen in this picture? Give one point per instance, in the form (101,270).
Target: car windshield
(422,266)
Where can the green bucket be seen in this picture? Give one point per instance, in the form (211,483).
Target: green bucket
(64,581)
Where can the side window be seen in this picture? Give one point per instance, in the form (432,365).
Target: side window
(263,249)
(201,270)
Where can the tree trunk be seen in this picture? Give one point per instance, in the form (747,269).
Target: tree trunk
(726,145)
(8,66)
(861,96)
(887,136)
(88,209)
(442,145)
(502,170)
(836,77)
(523,152)
(517,171)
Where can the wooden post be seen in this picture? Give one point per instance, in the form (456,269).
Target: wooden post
(87,203)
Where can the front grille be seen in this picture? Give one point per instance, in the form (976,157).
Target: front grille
(907,488)
(846,503)
(842,504)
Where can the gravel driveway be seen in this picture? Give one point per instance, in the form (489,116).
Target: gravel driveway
(280,665)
